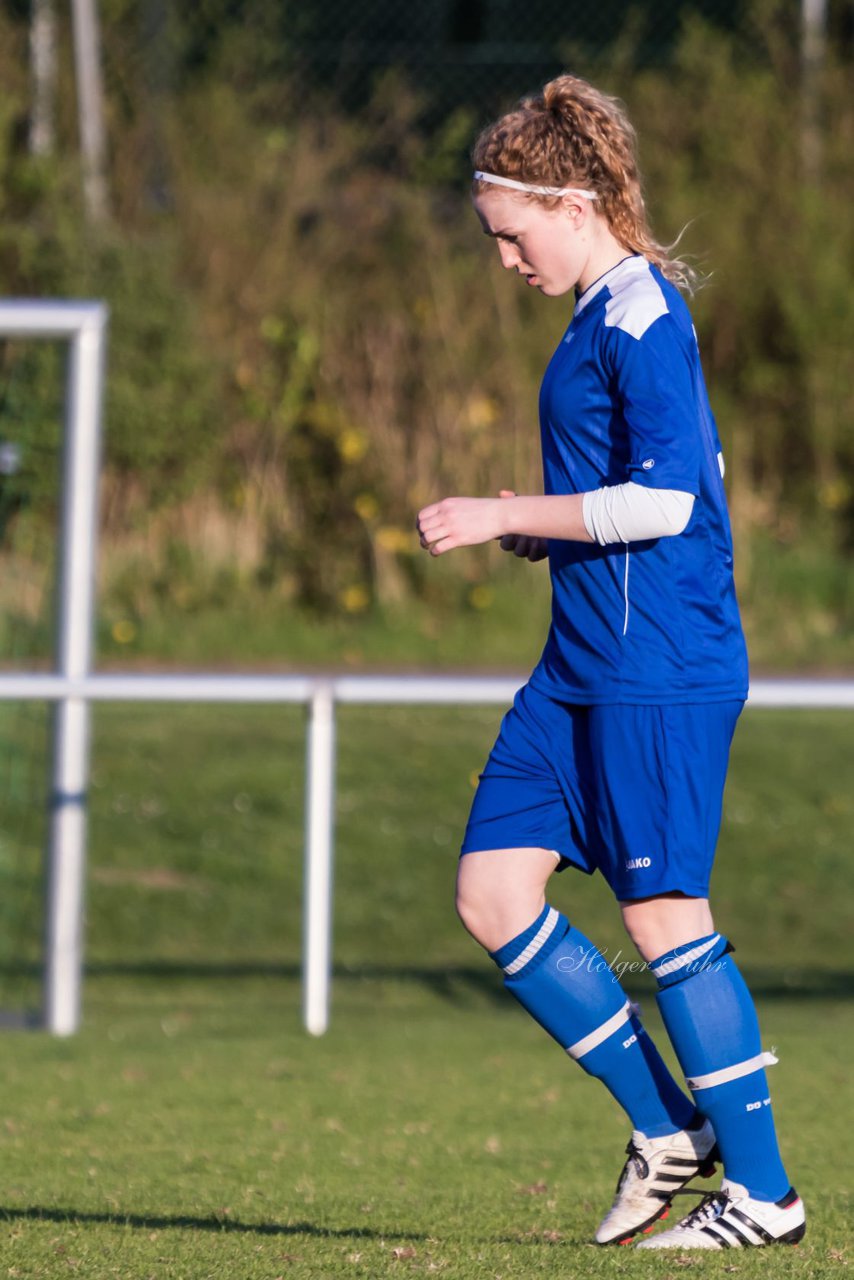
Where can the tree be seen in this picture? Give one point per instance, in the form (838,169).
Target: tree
(42,136)
(90,109)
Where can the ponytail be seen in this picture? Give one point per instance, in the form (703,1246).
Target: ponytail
(571,134)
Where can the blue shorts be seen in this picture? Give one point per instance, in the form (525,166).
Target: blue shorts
(632,791)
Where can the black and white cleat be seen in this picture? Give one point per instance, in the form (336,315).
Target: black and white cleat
(731,1219)
(656,1169)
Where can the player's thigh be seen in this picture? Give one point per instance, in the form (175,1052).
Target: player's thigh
(501,891)
(530,794)
(659,778)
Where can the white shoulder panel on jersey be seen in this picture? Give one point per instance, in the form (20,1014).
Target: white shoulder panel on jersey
(636,302)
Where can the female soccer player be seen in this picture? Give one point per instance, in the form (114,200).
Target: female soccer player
(614,755)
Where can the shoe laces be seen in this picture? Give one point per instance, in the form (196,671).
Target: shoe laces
(712,1205)
(635,1161)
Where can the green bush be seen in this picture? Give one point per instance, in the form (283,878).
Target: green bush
(309,332)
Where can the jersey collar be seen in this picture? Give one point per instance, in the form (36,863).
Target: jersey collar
(625,267)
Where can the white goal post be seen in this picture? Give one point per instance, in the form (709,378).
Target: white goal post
(83,325)
(73,686)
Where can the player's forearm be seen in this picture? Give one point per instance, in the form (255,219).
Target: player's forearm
(619,513)
(624,513)
(557,516)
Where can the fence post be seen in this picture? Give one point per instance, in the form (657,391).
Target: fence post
(67,821)
(320,805)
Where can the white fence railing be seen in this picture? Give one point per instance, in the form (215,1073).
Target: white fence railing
(319,694)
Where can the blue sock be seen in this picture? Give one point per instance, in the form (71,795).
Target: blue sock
(711,1019)
(565,984)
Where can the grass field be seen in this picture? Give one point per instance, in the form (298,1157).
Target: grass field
(193,1130)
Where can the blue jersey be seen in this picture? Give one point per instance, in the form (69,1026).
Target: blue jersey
(623,399)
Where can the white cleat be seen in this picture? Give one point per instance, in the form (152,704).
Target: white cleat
(731,1219)
(656,1169)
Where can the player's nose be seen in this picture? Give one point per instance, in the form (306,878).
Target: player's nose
(509,255)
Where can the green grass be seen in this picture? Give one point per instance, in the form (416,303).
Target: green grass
(797,607)
(466,621)
(193,1130)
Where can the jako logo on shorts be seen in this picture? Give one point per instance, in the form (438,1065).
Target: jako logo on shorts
(634,864)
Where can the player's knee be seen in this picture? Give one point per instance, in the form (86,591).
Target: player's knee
(657,925)
(500,892)
(491,917)
(652,937)
(472,912)
(646,938)
(482,911)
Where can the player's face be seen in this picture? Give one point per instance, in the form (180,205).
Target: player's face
(548,247)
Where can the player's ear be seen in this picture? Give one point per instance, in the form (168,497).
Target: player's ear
(575,210)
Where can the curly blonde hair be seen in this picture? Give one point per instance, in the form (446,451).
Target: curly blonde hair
(571,134)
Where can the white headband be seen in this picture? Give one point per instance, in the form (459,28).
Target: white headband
(530,186)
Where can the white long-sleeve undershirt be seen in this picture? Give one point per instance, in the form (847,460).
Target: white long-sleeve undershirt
(635,513)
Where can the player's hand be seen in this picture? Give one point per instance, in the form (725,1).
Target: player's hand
(522,544)
(459,522)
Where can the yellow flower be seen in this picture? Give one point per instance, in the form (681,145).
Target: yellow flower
(399,540)
(355,599)
(481,412)
(481,596)
(353,445)
(366,507)
(123,631)
(834,495)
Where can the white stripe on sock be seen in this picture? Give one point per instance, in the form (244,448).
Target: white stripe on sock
(583,1046)
(735,1072)
(542,935)
(678,962)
